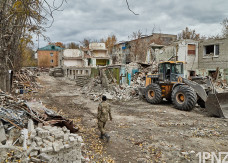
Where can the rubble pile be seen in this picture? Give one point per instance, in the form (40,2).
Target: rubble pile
(138,80)
(42,69)
(146,69)
(29,132)
(56,72)
(221,86)
(41,144)
(16,111)
(95,90)
(24,80)
(218,85)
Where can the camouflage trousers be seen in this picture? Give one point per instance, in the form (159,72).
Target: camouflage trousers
(101,126)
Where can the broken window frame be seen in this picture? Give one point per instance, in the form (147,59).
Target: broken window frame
(215,50)
(192,73)
(192,52)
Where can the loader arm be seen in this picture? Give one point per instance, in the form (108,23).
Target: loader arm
(200,91)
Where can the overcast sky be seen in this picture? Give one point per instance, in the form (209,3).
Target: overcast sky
(96,19)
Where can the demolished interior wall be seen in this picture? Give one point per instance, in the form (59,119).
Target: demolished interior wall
(188,52)
(164,54)
(139,47)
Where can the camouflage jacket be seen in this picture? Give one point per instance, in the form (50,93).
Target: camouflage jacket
(104,112)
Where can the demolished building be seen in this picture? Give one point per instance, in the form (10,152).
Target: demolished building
(183,50)
(137,50)
(212,56)
(74,63)
(98,55)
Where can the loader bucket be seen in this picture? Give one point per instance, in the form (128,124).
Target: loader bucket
(217,104)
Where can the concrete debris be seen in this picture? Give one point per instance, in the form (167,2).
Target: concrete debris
(24,139)
(2,133)
(56,72)
(220,86)
(41,149)
(82,80)
(113,91)
(15,112)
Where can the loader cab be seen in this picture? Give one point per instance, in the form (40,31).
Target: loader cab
(170,71)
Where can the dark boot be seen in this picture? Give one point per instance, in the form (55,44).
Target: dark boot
(102,136)
(107,137)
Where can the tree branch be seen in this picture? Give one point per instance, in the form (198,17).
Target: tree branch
(130,9)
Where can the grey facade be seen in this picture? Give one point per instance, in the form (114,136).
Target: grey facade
(213,54)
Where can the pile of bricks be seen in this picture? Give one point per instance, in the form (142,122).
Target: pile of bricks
(82,80)
(46,144)
(54,144)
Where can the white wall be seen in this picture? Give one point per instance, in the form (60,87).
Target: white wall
(190,59)
(72,53)
(93,62)
(97,46)
(100,53)
(75,63)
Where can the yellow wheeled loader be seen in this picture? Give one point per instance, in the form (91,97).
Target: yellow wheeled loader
(170,83)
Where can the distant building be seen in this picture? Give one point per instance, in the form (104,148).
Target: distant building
(48,56)
(72,58)
(74,63)
(79,62)
(137,50)
(98,55)
(183,50)
(213,54)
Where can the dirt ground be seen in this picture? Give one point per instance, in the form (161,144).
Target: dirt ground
(140,132)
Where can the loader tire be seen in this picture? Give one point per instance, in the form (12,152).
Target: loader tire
(184,98)
(153,93)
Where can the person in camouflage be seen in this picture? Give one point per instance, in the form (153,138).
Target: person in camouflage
(103,113)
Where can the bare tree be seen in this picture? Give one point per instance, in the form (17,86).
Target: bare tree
(72,45)
(137,47)
(18,19)
(130,8)
(188,34)
(110,42)
(85,43)
(225,27)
